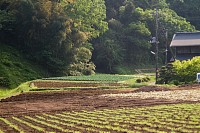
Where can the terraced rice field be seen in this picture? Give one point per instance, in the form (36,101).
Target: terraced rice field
(88,82)
(70,84)
(151,109)
(97,77)
(182,118)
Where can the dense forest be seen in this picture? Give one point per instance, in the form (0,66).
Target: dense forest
(75,37)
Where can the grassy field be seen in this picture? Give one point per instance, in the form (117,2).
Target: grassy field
(180,118)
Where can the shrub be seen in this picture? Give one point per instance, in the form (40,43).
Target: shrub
(148,78)
(180,72)
(138,80)
(166,74)
(145,79)
(186,70)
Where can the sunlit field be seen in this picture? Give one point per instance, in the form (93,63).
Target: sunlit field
(184,118)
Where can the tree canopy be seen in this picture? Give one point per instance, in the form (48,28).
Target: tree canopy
(131,26)
(70,37)
(52,33)
(188,9)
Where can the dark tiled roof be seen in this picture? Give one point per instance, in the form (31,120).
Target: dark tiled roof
(186,39)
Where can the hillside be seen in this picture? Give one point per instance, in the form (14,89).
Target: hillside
(15,69)
(77,37)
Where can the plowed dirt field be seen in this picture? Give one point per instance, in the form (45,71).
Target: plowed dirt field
(76,100)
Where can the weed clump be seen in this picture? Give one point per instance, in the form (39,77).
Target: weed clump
(145,79)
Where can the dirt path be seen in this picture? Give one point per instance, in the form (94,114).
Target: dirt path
(76,100)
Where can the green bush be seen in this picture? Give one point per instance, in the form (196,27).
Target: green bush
(186,70)
(138,80)
(148,78)
(145,79)
(166,74)
(180,72)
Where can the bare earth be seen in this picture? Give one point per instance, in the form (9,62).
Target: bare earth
(77,100)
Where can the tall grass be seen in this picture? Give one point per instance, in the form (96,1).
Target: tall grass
(5,92)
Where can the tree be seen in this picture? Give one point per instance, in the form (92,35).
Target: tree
(87,18)
(136,36)
(81,64)
(108,52)
(7,20)
(150,4)
(131,25)
(44,36)
(188,9)
(54,31)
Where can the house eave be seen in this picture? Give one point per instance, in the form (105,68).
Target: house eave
(185,39)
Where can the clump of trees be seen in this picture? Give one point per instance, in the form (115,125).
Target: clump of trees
(188,9)
(54,34)
(180,72)
(71,37)
(131,26)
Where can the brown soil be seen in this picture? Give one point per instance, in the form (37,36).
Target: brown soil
(76,100)
(61,84)
(152,88)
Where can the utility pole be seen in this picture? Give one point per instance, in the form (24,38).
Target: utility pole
(155,39)
(166,45)
(156,43)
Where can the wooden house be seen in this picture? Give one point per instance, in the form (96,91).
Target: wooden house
(185,45)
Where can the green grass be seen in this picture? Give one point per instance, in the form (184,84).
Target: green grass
(5,92)
(133,84)
(161,118)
